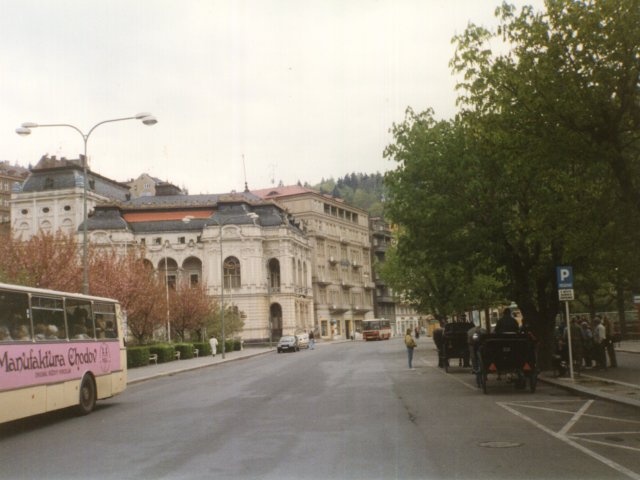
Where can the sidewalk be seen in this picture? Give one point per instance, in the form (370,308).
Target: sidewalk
(621,384)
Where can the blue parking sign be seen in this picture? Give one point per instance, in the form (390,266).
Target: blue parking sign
(564,276)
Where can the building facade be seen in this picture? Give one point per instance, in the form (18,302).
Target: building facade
(9,175)
(251,246)
(338,237)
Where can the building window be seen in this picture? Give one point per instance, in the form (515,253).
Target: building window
(67,208)
(171,281)
(45,210)
(24,211)
(143,241)
(232,273)
(194,279)
(181,240)
(157,241)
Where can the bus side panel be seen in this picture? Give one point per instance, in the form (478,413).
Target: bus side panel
(104,386)
(22,403)
(119,379)
(58,395)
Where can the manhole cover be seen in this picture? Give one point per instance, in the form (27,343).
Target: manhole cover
(500,444)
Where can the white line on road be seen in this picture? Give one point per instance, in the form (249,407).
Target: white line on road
(568,441)
(575,418)
(607,444)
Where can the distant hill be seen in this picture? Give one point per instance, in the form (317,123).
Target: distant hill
(362,190)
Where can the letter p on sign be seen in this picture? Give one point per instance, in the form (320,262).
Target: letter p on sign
(565,277)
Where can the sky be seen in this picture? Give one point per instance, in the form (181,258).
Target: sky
(264,90)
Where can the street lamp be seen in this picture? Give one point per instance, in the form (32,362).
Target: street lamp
(25,129)
(221,224)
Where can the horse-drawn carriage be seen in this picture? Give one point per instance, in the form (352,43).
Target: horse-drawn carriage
(507,354)
(455,344)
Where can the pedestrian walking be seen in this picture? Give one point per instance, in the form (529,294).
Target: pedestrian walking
(312,340)
(213,341)
(417,332)
(411,344)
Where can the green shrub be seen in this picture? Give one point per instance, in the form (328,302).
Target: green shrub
(185,349)
(165,352)
(204,349)
(228,345)
(237,345)
(137,357)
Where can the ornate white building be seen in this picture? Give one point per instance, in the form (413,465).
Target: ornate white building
(340,257)
(266,255)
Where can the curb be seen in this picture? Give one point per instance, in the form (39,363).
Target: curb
(591,392)
(193,367)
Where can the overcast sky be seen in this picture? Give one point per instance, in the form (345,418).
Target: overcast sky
(304,90)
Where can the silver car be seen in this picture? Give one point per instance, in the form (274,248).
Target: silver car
(288,343)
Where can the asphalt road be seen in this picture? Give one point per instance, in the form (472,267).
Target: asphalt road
(345,411)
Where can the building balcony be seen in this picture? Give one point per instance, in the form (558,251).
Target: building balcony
(338,308)
(361,308)
(333,260)
(385,299)
(346,283)
(320,281)
(303,291)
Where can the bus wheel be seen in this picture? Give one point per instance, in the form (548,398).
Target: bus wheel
(87,395)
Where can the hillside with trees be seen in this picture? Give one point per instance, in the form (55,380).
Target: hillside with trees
(362,190)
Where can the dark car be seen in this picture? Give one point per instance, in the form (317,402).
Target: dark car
(288,343)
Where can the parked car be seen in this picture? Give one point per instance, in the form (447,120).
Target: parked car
(303,340)
(288,343)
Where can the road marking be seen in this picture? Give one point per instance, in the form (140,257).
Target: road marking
(575,418)
(569,441)
(607,444)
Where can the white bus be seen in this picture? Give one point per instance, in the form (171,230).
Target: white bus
(58,350)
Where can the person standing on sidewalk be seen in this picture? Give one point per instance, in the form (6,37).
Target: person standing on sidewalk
(411,344)
(611,351)
(213,341)
(312,340)
(599,343)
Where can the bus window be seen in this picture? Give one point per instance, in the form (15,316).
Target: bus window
(48,318)
(14,316)
(79,319)
(106,324)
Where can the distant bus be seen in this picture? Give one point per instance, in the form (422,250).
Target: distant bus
(58,350)
(376,330)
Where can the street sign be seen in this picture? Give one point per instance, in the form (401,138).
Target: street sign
(565,294)
(564,276)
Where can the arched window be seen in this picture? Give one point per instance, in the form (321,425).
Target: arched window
(274,275)
(232,273)
(168,268)
(192,268)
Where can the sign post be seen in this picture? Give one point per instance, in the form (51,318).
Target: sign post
(564,276)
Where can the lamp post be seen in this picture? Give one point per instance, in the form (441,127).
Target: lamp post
(25,129)
(221,224)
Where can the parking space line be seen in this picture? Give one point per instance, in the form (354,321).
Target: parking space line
(563,438)
(607,444)
(575,418)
